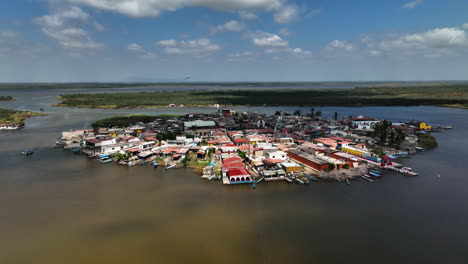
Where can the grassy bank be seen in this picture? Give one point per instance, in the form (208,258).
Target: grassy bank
(449,96)
(7,98)
(8,116)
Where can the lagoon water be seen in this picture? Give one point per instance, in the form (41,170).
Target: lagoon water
(57,207)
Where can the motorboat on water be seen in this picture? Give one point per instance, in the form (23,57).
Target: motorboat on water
(408,171)
(367,178)
(106,160)
(155,164)
(170,167)
(27,152)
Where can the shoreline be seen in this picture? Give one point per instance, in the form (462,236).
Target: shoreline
(452,97)
(16,119)
(259,105)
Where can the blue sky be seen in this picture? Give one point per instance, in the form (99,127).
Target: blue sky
(233,40)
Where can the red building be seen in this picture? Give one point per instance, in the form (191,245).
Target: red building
(308,159)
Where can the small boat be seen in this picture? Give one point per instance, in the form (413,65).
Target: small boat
(27,152)
(374,174)
(367,178)
(42,109)
(419,149)
(254,185)
(348,182)
(408,171)
(447,127)
(155,164)
(312,178)
(170,167)
(106,160)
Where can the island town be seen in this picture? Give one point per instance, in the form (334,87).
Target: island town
(248,148)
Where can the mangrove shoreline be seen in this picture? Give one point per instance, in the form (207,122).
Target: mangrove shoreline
(443,96)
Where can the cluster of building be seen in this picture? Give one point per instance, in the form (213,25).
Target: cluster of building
(242,147)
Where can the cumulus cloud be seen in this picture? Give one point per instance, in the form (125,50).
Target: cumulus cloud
(247,15)
(284,32)
(287,14)
(434,43)
(413,4)
(137,49)
(338,45)
(197,48)
(295,51)
(65,26)
(143,8)
(465,26)
(232,25)
(241,54)
(439,38)
(263,39)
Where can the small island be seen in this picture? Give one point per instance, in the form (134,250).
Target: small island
(7,98)
(250,147)
(446,96)
(14,120)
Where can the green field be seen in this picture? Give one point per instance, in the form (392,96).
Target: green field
(448,96)
(8,116)
(6,98)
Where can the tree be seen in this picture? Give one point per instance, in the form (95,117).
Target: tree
(297,112)
(277,113)
(194,129)
(312,112)
(346,166)
(335,116)
(318,113)
(331,166)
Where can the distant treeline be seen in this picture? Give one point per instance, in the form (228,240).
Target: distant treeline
(451,96)
(234,85)
(6,98)
(125,121)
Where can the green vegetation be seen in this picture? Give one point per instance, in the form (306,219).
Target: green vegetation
(447,96)
(125,121)
(385,134)
(7,98)
(8,116)
(427,141)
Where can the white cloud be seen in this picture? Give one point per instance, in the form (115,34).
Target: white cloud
(465,26)
(137,49)
(65,26)
(337,45)
(241,54)
(413,4)
(98,26)
(232,25)
(167,42)
(247,15)
(284,32)
(143,8)
(263,39)
(296,51)
(439,38)
(198,47)
(287,14)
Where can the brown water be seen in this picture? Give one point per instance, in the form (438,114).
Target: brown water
(57,207)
